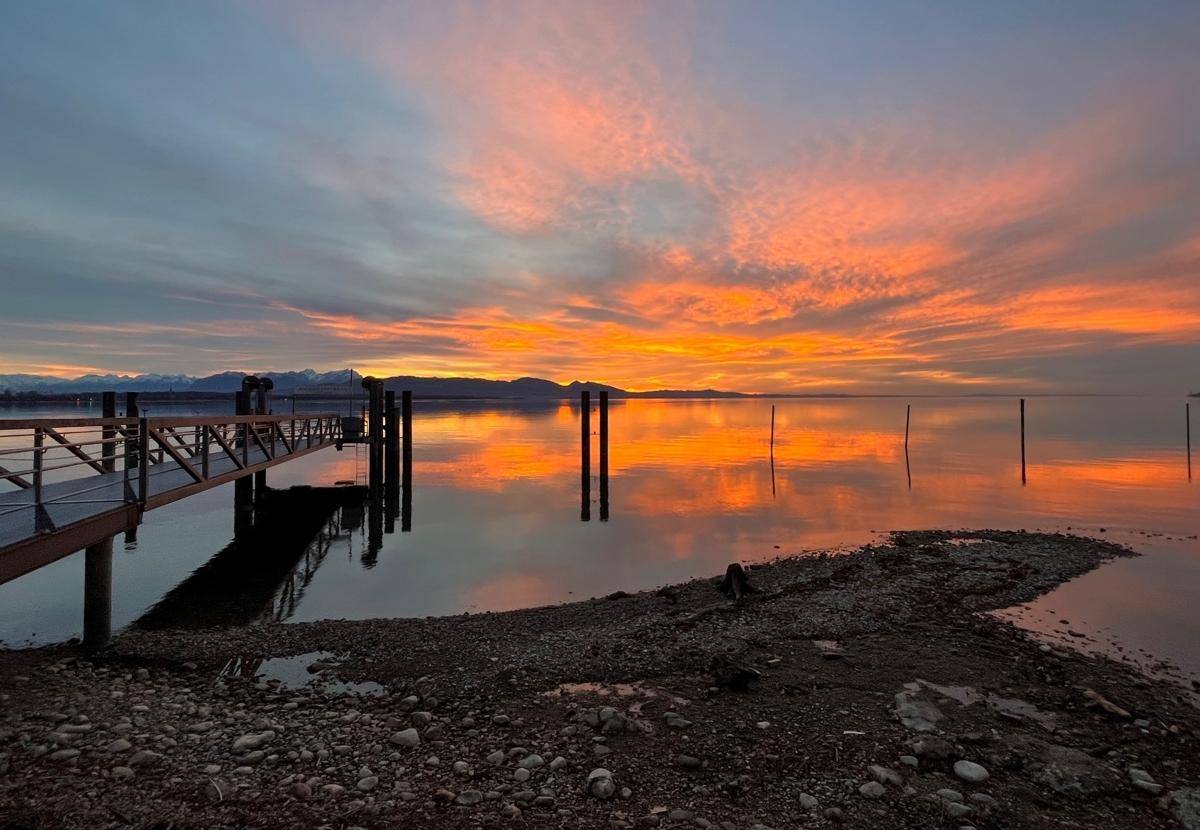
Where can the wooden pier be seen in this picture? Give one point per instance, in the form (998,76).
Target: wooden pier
(71,494)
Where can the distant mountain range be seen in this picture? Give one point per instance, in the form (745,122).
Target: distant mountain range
(336,383)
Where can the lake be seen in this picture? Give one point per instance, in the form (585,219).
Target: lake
(496,517)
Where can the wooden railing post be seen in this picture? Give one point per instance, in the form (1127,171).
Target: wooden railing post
(108,450)
(143,459)
(38,438)
(204,445)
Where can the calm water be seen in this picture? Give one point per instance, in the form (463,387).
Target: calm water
(496,512)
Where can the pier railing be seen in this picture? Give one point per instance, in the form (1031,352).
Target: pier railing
(36,454)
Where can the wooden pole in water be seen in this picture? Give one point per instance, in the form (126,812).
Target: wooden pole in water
(1022,440)
(406,461)
(1187,419)
(907,418)
(604,455)
(585,455)
(772,430)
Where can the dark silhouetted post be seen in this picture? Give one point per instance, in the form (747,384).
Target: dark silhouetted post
(391,434)
(243,488)
(1187,420)
(585,455)
(97,595)
(772,430)
(1022,440)
(406,461)
(603,456)
(108,450)
(907,419)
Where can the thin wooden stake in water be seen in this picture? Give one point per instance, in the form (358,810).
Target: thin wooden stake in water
(1022,440)
(1187,418)
(907,417)
(772,430)
(585,455)
(604,456)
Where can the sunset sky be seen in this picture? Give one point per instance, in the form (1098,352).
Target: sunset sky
(793,196)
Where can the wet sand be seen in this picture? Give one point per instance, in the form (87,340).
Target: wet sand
(861,690)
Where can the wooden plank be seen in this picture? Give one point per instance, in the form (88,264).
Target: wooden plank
(74,450)
(176,456)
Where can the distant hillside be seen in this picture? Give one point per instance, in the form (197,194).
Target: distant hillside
(337,383)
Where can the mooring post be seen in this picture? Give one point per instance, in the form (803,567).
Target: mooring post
(97,595)
(406,461)
(262,391)
(108,450)
(391,433)
(1022,440)
(243,487)
(131,414)
(603,455)
(907,418)
(375,430)
(1187,420)
(585,458)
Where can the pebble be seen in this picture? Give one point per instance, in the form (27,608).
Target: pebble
(885,776)
(688,761)
(496,757)
(521,774)
(809,802)
(368,783)
(971,772)
(122,772)
(469,798)
(532,762)
(956,809)
(212,769)
(408,738)
(64,755)
(461,768)
(144,757)
(872,789)
(119,745)
(600,784)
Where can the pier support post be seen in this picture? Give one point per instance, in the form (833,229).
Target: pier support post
(391,433)
(374,431)
(97,595)
(406,460)
(604,455)
(585,455)
(243,488)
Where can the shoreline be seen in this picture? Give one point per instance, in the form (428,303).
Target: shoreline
(831,648)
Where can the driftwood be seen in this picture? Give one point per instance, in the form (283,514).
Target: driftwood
(736,583)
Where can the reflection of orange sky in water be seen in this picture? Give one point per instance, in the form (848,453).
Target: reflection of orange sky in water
(831,460)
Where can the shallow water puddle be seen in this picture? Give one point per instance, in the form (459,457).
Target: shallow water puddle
(299,672)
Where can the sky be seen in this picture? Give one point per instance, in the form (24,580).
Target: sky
(754,196)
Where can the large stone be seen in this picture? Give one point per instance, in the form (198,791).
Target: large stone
(1185,806)
(872,789)
(970,771)
(408,738)
(469,798)
(600,784)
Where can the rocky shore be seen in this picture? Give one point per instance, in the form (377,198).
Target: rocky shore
(859,690)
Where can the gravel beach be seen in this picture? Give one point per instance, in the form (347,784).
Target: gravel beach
(864,689)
